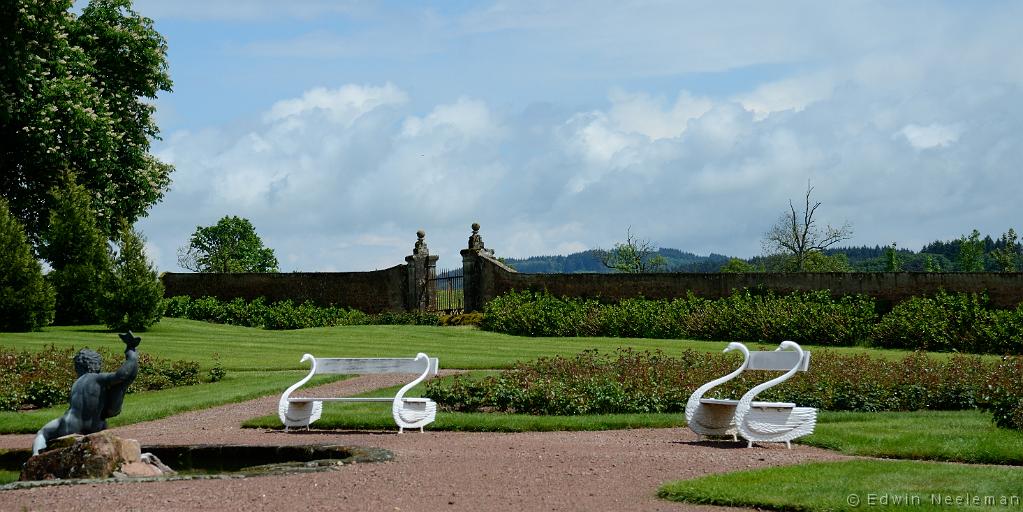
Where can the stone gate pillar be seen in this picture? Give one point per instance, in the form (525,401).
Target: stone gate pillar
(472,270)
(421,294)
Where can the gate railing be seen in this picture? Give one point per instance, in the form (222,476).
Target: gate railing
(450,298)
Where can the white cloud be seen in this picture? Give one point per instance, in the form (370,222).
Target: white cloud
(793,93)
(342,105)
(930,136)
(639,113)
(342,178)
(909,130)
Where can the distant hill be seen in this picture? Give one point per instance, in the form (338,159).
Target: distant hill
(938,255)
(589,262)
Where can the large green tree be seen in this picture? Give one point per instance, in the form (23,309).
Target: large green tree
(76,95)
(231,245)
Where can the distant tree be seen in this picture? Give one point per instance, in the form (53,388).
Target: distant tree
(231,245)
(133,294)
(738,266)
(797,233)
(819,262)
(76,93)
(971,253)
(26,299)
(891,257)
(1007,255)
(634,256)
(78,253)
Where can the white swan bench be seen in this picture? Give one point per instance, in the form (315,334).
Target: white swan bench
(751,419)
(407,412)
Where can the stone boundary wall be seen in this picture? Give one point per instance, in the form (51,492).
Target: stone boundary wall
(1004,289)
(370,292)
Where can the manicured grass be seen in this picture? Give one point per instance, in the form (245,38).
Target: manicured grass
(862,484)
(151,405)
(959,436)
(246,348)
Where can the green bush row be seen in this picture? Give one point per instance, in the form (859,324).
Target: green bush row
(631,381)
(945,322)
(44,378)
(284,314)
(1003,394)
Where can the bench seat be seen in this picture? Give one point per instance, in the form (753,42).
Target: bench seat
(408,412)
(354,399)
(758,405)
(754,420)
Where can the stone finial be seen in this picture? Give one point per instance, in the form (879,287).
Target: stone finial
(475,240)
(420,248)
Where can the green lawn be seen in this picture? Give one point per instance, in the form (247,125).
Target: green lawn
(264,362)
(858,484)
(246,348)
(959,436)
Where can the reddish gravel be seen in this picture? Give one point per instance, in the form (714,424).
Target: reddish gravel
(611,470)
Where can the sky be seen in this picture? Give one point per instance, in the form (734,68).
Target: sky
(340,128)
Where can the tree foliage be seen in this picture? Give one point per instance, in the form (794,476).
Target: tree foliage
(797,233)
(634,256)
(1007,255)
(75,94)
(78,253)
(26,299)
(891,258)
(231,245)
(737,266)
(971,253)
(133,294)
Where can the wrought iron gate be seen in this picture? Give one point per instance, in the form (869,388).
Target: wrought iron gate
(449,297)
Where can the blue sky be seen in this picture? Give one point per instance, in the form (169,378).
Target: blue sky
(340,128)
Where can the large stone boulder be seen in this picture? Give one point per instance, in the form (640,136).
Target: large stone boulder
(99,455)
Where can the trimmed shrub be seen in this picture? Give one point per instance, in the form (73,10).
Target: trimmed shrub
(1003,393)
(284,314)
(540,314)
(406,318)
(640,381)
(946,322)
(27,299)
(132,299)
(44,378)
(460,319)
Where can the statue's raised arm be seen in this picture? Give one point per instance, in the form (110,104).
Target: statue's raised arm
(95,396)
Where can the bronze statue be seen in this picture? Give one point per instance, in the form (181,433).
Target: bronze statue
(95,396)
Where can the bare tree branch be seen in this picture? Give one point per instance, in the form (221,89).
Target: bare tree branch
(799,238)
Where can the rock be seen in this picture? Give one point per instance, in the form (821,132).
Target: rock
(153,460)
(63,442)
(97,455)
(137,469)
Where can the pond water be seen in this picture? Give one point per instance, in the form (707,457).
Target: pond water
(217,461)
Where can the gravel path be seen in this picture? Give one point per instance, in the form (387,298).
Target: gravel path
(616,470)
